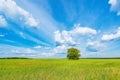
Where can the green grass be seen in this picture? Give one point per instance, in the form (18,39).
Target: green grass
(59,69)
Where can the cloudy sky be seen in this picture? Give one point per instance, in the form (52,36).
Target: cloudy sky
(46,28)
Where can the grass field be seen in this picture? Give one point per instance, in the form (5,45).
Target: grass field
(59,69)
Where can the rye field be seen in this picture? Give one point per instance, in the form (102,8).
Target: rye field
(59,69)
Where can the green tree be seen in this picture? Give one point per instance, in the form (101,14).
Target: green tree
(73,53)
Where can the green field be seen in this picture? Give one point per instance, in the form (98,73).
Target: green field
(59,69)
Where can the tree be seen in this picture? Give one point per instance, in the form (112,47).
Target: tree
(73,53)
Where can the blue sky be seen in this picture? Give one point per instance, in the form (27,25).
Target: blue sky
(46,28)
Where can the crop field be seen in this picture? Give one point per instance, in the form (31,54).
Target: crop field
(59,69)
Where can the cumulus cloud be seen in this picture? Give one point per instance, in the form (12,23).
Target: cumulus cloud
(16,13)
(108,37)
(3,21)
(60,49)
(112,2)
(58,37)
(115,6)
(66,37)
(83,30)
(94,46)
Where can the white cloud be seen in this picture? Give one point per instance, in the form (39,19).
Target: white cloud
(60,49)
(64,36)
(112,2)
(115,6)
(94,46)
(16,13)
(58,37)
(107,37)
(67,37)
(83,30)
(3,21)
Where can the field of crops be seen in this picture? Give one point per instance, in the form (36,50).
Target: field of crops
(59,69)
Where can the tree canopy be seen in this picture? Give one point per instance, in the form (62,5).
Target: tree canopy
(73,53)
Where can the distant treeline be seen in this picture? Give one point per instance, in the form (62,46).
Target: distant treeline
(55,58)
(103,58)
(14,58)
